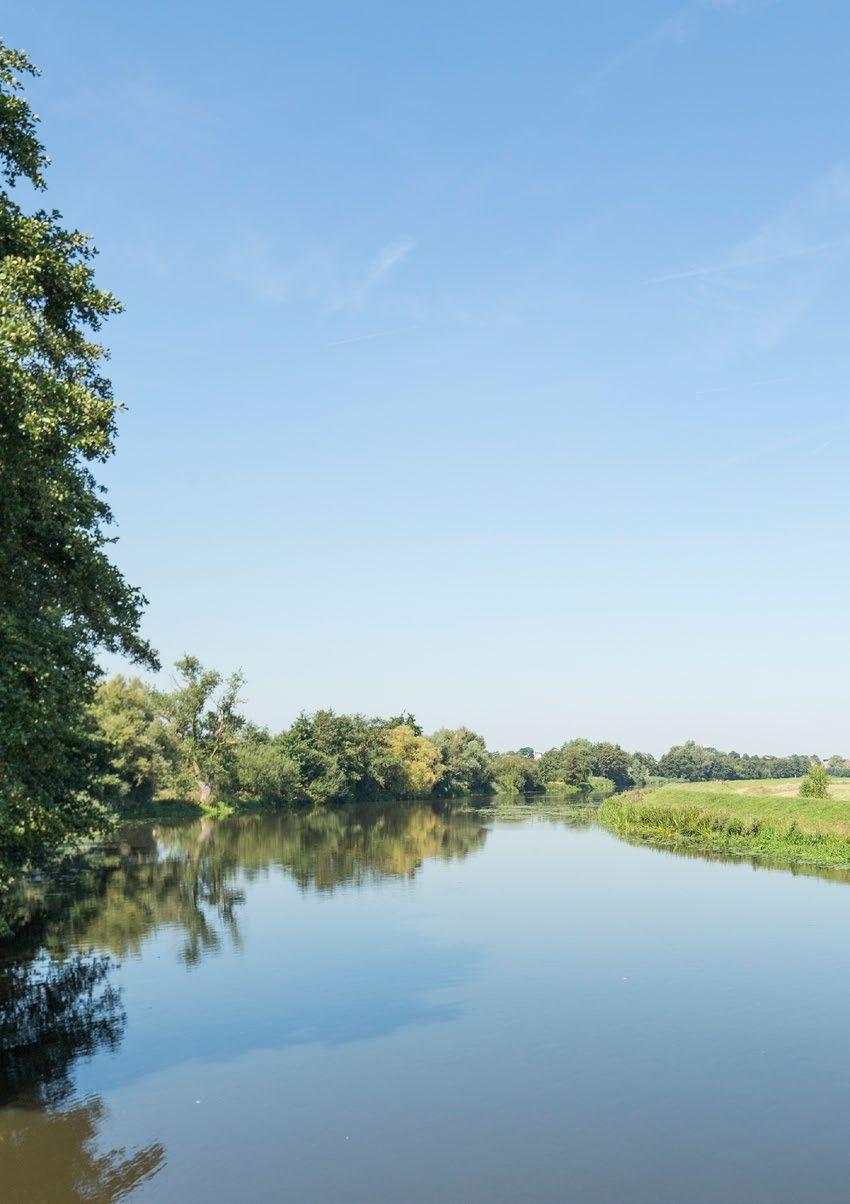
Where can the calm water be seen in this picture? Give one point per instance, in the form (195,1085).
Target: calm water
(413,1005)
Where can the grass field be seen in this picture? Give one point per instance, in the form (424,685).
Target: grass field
(754,817)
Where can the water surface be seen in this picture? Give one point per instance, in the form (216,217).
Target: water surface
(421,1004)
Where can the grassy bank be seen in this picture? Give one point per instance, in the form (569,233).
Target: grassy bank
(738,818)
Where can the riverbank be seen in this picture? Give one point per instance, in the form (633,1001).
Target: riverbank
(765,817)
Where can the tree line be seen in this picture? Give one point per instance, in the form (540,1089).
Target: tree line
(193,742)
(692,762)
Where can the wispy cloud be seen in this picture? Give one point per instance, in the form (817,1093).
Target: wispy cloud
(770,279)
(385,262)
(256,264)
(737,265)
(682,26)
(367,338)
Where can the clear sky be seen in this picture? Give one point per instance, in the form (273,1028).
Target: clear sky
(488,360)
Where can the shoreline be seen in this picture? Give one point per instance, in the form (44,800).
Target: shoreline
(737,819)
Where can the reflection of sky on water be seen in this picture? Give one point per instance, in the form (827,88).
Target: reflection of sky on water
(221,951)
(549,1015)
(219,959)
(346,972)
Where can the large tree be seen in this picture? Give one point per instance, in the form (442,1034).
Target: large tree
(141,756)
(61,598)
(414,766)
(466,761)
(339,758)
(204,723)
(613,762)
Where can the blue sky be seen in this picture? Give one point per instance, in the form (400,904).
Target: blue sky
(486,360)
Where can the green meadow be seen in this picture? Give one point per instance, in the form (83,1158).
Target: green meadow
(764,817)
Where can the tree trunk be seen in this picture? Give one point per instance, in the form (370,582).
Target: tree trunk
(205,792)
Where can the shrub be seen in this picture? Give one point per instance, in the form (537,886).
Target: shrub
(815,784)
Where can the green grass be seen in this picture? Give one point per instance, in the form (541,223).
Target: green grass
(764,818)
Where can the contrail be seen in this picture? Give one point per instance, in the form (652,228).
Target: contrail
(736,266)
(363,338)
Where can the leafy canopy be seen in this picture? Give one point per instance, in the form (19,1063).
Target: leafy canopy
(466,761)
(141,753)
(204,720)
(414,767)
(61,598)
(515,774)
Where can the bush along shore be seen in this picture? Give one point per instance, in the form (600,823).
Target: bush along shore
(770,819)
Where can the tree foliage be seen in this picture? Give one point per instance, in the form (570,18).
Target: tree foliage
(692,762)
(61,598)
(466,763)
(141,754)
(340,758)
(838,766)
(195,743)
(614,763)
(570,765)
(264,771)
(515,774)
(204,720)
(815,784)
(414,766)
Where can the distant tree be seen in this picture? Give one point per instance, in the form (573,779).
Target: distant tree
(689,761)
(414,766)
(642,767)
(570,765)
(465,761)
(204,721)
(838,766)
(697,763)
(549,767)
(513,774)
(526,751)
(340,758)
(815,784)
(614,763)
(577,762)
(403,719)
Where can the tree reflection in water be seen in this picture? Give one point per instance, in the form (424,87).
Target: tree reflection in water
(51,1156)
(58,1006)
(189,876)
(51,1015)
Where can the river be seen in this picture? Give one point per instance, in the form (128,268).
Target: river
(425,1004)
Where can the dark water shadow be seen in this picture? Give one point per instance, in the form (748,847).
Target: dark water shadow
(53,1015)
